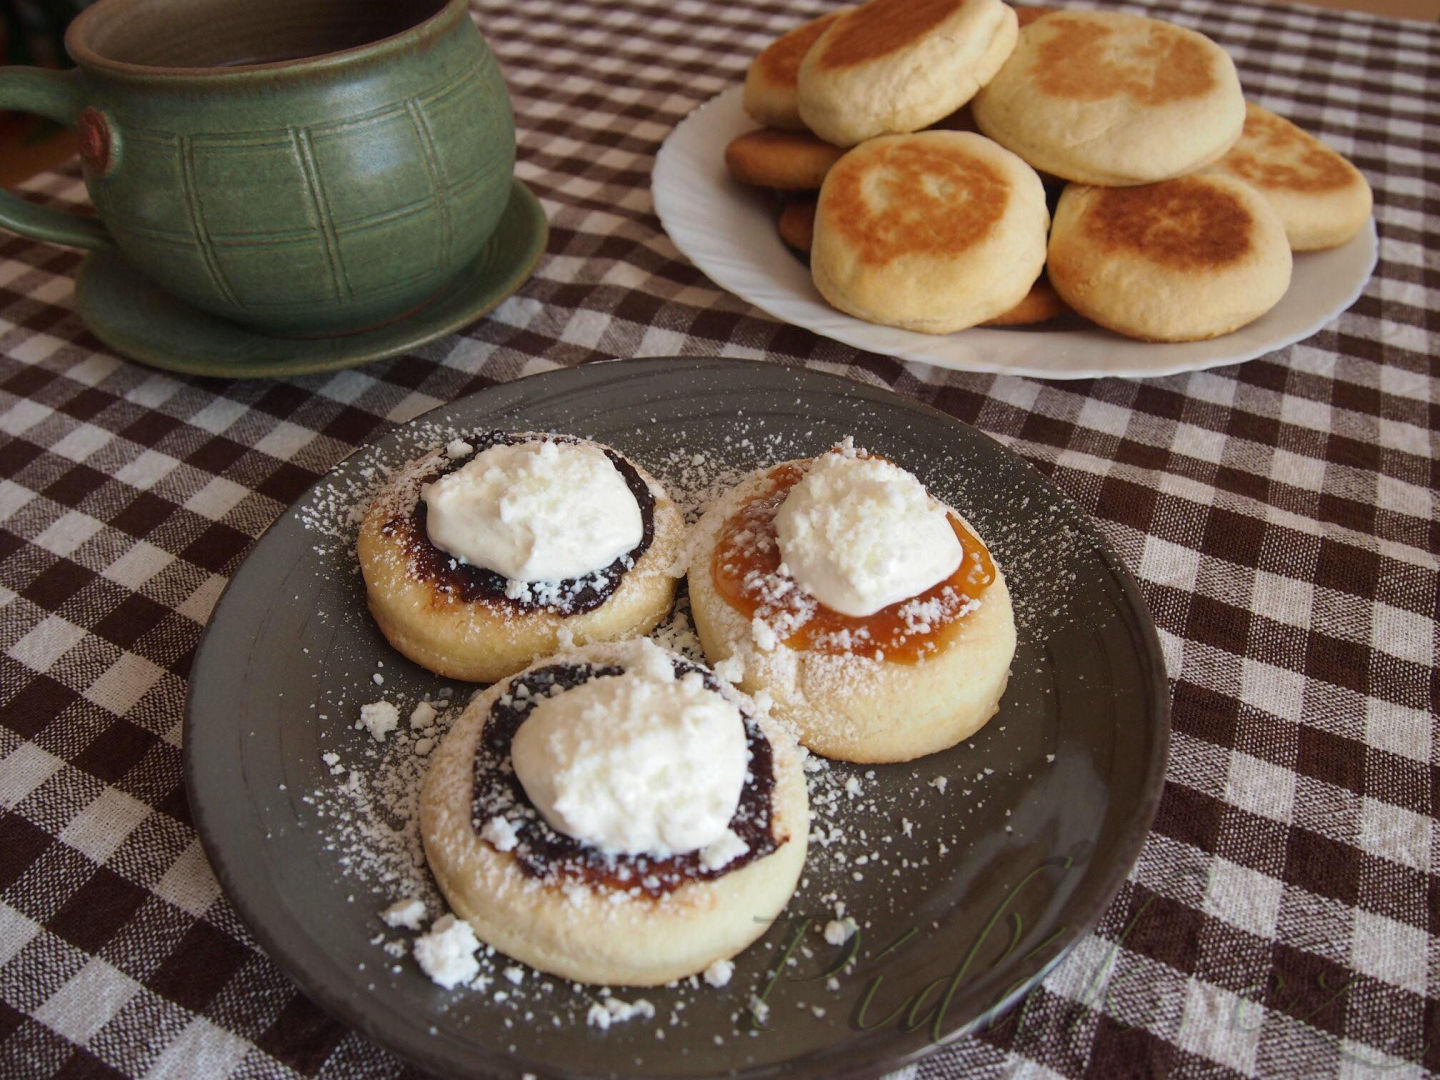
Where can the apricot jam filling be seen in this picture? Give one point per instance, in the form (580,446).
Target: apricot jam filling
(746,572)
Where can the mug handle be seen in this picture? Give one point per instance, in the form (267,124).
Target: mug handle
(55,95)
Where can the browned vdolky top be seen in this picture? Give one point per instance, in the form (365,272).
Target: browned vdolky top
(1274,153)
(542,852)
(913,196)
(746,565)
(1075,62)
(780,60)
(1026,14)
(883,26)
(1189,223)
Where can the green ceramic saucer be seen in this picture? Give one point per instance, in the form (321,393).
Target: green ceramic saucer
(131,315)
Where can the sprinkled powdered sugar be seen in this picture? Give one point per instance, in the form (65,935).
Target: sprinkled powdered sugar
(407,913)
(379,718)
(874,831)
(370,818)
(718,974)
(614,1011)
(446,952)
(500,832)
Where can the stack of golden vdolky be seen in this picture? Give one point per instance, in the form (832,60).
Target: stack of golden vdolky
(921,146)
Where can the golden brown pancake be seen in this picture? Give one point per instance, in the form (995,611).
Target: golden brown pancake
(783,160)
(1320,196)
(797,224)
(1154,64)
(771,80)
(1180,260)
(1109,98)
(1185,224)
(927,200)
(1041,304)
(883,27)
(1027,14)
(934,231)
(895,66)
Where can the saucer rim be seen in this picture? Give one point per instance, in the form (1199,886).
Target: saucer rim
(306,356)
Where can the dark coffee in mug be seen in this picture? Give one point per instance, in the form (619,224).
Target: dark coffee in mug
(223,33)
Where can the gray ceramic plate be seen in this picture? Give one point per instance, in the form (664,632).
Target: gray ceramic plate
(973,888)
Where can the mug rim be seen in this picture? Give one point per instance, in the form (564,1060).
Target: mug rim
(89,60)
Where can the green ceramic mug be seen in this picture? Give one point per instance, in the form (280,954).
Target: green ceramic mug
(303,167)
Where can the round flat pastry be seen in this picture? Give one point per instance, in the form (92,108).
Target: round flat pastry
(482,555)
(1108,98)
(894,66)
(783,160)
(1041,304)
(1320,196)
(1025,14)
(872,615)
(797,224)
(770,94)
(616,815)
(1181,260)
(934,231)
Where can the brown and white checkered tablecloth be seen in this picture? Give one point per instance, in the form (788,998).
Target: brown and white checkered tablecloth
(1284,917)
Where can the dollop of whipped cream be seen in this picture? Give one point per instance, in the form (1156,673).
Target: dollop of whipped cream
(639,763)
(534,511)
(860,533)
